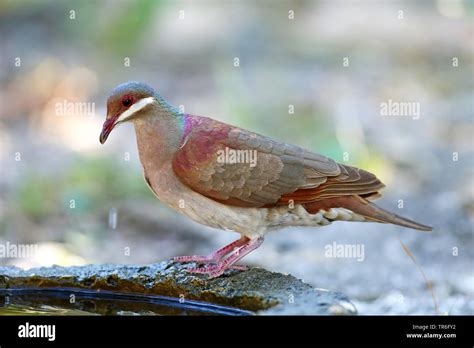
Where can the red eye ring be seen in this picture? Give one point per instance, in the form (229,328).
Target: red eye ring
(127,100)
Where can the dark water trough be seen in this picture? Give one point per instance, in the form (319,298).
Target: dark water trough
(73,301)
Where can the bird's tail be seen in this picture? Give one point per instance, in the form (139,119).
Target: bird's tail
(374,212)
(369,210)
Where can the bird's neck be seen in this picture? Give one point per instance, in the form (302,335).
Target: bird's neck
(159,135)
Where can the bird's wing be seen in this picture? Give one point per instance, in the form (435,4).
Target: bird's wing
(267,172)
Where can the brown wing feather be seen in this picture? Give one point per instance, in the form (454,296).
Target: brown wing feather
(282,172)
(353,181)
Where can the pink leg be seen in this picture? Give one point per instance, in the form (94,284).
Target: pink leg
(216,256)
(214,271)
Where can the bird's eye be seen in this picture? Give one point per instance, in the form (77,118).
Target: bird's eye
(126,101)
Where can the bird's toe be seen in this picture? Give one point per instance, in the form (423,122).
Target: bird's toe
(202,270)
(192,258)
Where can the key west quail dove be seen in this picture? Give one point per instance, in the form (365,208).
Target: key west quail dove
(229,178)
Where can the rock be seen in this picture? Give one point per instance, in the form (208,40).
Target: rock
(255,290)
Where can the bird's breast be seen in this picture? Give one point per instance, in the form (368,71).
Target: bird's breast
(170,190)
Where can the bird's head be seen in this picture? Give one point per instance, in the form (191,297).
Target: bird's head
(127,101)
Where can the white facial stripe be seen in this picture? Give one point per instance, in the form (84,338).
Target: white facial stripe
(134,108)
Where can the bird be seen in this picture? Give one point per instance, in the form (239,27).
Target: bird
(229,178)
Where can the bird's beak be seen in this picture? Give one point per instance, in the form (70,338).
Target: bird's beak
(109,124)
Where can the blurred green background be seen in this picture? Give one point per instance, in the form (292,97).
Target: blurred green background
(247,63)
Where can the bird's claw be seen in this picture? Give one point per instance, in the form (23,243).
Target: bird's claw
(216,270)
(202,270)
(193,258)
(212,271)
(217,262)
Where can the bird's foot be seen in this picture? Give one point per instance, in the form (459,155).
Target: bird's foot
(212,271)
(216,256)
(195,258)
(217,269)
